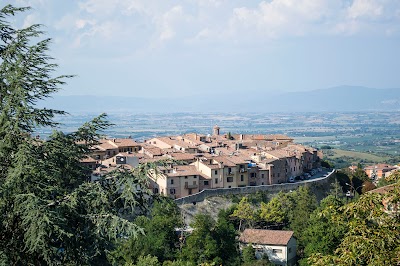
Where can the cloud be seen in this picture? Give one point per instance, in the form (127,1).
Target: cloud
(365,9)
(152,24)
(168,21)
(282,18)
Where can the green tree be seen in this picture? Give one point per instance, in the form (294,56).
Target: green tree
(25,78)
(145,261)
(201,247)
(276,210)
(248,255)
(159,238)
(225,236)
(178,263)
(244,212)
(372,235)
(50,214)
(326,227)
(305,204)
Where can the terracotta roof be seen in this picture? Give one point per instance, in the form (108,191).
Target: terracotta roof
(380,167)
(183,170)
(237,159)
(383,190)
(224,160)
(87,159)
(124,142)
(278,153)
(266,237)
(104,144)
(182,156)
(109,144)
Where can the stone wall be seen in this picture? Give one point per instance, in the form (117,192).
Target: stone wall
(198,197)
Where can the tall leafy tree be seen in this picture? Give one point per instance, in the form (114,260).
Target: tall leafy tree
(225,235)
(372,237)
(201,247)
(245,213)
(159,238)
(50,214)
(326,227)
(277,210)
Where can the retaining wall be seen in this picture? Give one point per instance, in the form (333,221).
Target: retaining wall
(198,197)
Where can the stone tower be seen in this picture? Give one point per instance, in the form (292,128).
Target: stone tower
(216,130)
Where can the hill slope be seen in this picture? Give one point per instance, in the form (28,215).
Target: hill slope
(344,98)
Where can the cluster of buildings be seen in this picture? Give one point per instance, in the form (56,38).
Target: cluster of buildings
(198,162)
(377,171)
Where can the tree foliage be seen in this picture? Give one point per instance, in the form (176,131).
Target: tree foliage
(372,236)
(25,78)
(50,214)
(159,238)
(245,213)
(211,242)
(277,210)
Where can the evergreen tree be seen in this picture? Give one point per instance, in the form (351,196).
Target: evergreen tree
(225,235)
(200,246)
(159,238)
(50,214)
(248,255)
(326,228)
(25,78)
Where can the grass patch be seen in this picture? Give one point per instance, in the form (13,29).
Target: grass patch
(359,156)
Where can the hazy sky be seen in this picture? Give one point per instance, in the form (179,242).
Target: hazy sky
(163,48)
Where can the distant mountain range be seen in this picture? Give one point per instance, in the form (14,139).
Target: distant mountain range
(337,99)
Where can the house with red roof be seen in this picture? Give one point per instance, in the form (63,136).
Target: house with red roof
(278,245)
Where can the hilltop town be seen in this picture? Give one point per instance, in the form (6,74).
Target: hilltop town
(197,162)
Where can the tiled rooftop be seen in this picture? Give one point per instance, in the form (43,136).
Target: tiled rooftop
(266,237)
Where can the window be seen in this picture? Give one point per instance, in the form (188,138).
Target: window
(185,177)
(278,174)
(253,175)
(172,182)
(155,190)
(216,180)
(195,176)
(277,251)
(290,250)
(262,175)
(206,182)
(172,191)
(229,179)
(241,178)
(216,172)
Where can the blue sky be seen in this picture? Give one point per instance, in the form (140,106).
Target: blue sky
(164,48)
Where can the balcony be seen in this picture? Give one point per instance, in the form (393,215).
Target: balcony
(231,173)
(242,170)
